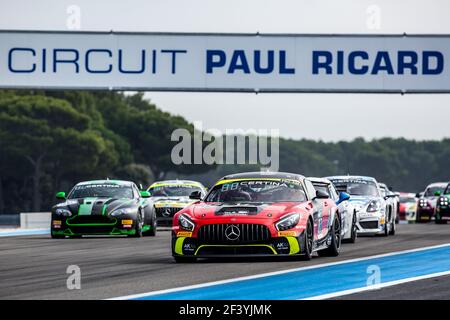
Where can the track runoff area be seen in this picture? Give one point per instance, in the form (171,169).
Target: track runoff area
(414,264)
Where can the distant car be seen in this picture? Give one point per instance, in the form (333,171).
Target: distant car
(408,206)
(170,196)
(426,203)
(347,211)
(442,212)
(371,207)
(258,214)
(103,207)
(391,200)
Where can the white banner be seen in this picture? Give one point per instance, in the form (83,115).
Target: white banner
(224,62)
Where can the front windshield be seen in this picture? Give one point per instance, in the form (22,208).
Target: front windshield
(432,190)
(178,190)
(257,190)
(357,187)
(407,199)
(105,190)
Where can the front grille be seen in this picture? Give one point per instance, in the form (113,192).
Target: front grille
(248,233)
(166,212)
(369,224)
(89,219)
(250,250)
(92,230)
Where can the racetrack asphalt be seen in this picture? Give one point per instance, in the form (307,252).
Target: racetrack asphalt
(34,267)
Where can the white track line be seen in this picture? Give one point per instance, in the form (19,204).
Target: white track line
(262,275)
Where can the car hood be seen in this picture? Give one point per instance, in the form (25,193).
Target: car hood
(95,206)
(249,210)
(362,201)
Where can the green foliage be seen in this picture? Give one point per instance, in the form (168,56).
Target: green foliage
(49,140)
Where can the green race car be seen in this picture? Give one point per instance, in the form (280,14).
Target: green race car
(442,211)
(103,207)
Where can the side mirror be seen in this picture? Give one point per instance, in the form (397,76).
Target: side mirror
(196,195)
(343,196)
(145,194)
(321,195)
(61,195)
(418,195)
(437,193)
(390,188)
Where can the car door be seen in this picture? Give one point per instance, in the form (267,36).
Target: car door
(322,215)
(343,208)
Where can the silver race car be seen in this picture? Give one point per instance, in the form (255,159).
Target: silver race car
(349,217)
(372,209)
(391,200)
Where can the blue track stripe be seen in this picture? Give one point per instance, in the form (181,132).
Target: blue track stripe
(24,232)
(324,280)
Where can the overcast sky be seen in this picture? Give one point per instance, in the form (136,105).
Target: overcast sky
(329,117)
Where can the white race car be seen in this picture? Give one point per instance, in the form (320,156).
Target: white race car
(349,218)
(372,208)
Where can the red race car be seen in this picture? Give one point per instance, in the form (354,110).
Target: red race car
(258,214)
(408,206)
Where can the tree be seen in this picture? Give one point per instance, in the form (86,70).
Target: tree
(49,133)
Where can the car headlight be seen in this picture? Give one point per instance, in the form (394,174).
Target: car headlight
(288,222)
(374,205)
(185,223)
(423,203)
(443,201)
(123,211)
(63,212)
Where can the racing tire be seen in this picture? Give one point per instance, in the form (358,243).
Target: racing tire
(354,232)
(153,224)
(179,259)
(354,235)
(386,230)
(308,241)
(393,229)
(387,227)
(138,227)
(335,246)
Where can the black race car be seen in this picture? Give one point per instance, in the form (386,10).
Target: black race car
(442,213)
(103,207)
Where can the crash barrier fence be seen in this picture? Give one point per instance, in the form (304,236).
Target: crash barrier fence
(35,220)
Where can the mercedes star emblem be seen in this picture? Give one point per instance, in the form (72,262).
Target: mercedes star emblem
(232,232)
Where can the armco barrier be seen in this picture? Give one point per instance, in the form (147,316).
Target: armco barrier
(9,220)
(35,220)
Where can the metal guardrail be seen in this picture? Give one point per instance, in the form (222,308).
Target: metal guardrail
(10,220)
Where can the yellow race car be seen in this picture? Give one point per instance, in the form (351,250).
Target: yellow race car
(170,196)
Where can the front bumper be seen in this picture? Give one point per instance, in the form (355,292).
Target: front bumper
(371,225)
(442,213)
(424,213)
(92,225)
(275,246)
